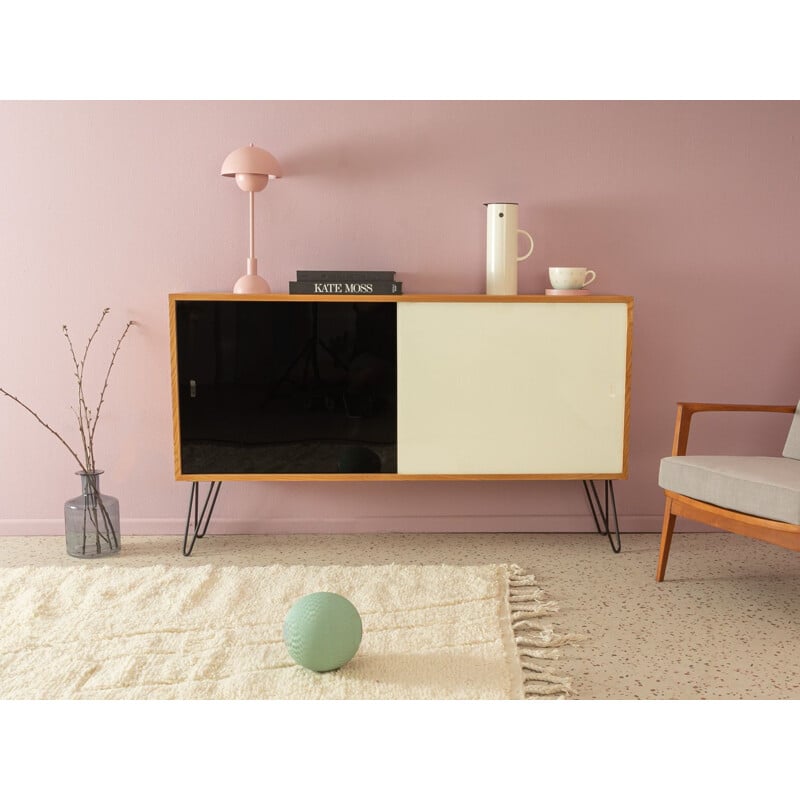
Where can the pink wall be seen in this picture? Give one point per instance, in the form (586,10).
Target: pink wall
(691,208)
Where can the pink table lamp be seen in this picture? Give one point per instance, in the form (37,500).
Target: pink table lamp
(252,167)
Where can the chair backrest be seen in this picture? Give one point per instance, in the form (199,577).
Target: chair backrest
(792,447)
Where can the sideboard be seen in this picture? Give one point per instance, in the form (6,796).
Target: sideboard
(411,387)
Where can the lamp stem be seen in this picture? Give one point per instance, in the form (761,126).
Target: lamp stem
(252,226)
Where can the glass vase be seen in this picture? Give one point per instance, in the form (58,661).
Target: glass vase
(91,520)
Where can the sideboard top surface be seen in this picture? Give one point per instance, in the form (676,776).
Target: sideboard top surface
(405,298)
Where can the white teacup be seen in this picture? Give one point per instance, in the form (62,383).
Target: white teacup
(571,277)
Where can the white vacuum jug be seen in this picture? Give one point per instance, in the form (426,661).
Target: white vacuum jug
(502,247)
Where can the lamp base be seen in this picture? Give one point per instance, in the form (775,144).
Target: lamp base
(251,284)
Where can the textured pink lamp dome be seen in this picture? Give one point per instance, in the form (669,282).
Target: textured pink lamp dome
(252,167)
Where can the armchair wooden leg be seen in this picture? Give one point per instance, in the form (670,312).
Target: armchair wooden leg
(666,540)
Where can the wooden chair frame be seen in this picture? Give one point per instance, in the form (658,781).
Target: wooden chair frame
(782,534)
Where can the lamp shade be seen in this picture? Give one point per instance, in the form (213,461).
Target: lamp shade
(251,160)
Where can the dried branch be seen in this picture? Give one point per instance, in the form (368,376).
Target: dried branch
(105,383)
(86,413)
(91,338)
(81,399)
(42,422)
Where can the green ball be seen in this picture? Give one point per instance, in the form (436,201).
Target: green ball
(322,631)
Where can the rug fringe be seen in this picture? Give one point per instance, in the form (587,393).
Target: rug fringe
(536,642)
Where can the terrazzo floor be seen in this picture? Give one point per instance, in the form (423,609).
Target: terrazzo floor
(725,624)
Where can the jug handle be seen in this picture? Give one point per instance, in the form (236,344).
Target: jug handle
(530,249)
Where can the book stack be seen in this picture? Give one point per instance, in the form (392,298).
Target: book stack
(343,281)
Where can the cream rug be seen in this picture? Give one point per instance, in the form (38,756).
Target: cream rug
(215,632)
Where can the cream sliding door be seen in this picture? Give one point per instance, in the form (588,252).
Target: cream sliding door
(515,388)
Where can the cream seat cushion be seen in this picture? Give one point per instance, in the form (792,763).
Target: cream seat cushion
(763,486)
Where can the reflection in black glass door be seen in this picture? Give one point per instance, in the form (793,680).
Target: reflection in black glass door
(287,387)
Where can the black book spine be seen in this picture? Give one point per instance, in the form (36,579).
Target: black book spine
(337,276)
(346,287)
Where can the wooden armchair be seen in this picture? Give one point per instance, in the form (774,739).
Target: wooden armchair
(755,496)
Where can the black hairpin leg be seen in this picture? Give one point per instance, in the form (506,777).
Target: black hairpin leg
(604,514)
(201,521)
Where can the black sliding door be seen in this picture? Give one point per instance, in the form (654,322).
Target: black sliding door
(279,387)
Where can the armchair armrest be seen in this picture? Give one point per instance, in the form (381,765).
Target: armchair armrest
(687,410)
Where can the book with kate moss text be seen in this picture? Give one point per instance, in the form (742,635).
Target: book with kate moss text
(345,287)
(339,275)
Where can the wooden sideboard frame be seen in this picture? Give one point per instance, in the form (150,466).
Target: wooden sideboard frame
(411,298)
